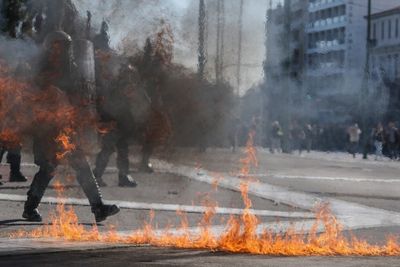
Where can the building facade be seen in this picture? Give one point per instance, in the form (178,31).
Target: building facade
(327,54)
(385,62)
(385,54)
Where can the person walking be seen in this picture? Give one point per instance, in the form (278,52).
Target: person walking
(378,137)
(392,140)
(276,136)
(57,78)
(354,133)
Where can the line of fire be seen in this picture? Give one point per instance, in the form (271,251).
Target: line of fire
(199,132)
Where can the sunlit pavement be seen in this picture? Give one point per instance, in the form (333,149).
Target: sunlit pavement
(363,194)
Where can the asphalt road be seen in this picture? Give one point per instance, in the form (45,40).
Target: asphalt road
(148,256)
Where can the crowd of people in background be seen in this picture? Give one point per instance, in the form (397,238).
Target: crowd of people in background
(382,141)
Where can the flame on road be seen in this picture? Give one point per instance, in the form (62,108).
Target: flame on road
(240,234)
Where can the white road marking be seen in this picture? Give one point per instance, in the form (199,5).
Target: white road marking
(325,178)
(352,215)
(162,207)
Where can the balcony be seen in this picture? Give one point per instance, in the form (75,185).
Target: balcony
(326,24)
(326,46)
(324,4)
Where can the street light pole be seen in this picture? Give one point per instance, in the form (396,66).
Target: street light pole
(365,85)
(286,90)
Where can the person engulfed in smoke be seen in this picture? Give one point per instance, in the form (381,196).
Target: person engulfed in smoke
(393,141)
(298,137)
(378,137)
(113,106)
(13,149)
(56,80)
(354,133)
(276,137)
(309,131)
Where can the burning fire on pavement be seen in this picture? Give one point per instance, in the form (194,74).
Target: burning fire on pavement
(240,233)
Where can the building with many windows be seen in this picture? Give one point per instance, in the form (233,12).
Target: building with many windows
(385,61)
(336,52)
(336,34)
(327,52)
(385,32)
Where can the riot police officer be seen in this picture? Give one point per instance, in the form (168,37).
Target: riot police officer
(58,72)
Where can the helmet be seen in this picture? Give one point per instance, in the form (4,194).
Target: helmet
(57,36)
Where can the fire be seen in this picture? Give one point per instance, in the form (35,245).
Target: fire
(239,236)
(27,109)
(64,139)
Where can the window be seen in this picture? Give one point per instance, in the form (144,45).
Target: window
(396,30)
(383,30)
(390,29)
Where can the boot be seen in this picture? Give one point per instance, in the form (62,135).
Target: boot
(126,181)
(31,212)
(17,176)
(101,212)
(15,168)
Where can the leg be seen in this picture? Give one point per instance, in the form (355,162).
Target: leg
(107,148)
(39,184)
(14,159)
(147,151)
(90,187)
(125,180)
(122,156)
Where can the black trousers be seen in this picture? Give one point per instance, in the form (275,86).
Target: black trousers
(47,162)
(114,141)
(118,141)
(13,158)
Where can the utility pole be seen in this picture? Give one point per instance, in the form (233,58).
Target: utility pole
(286,90)
(222,41)
(201,49)
(239,63)
(365,86)
(217,53)
(219,59)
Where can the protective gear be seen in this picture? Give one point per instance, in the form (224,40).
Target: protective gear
(55,37)
(58,62)
(103,211)
(126,181)
(31,212)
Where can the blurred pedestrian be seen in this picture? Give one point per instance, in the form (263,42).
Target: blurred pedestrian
(309,132)
(276,136)
(392,140)
(298,137)
(354,133)
(378,136)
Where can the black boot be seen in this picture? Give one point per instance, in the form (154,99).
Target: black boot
(17,177)
(126,181)
(31,212)
(14,158)
(101,212)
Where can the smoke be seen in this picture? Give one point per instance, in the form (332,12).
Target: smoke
(18,51)
(133,21)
